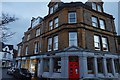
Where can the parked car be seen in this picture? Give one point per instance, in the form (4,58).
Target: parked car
(11,70)
(22,74)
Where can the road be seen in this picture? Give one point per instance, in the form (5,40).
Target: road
(5,76)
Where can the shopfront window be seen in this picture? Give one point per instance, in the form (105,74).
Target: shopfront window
(57,65)
(109,65)
(32,66)
(46,65)
(116,61)
(90,65)
(100,65)
(23,64)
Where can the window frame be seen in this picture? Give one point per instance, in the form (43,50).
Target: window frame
(37,32)
(58,64)
(101,64)
(94,6)
(19,51)
(55,42)
(26,50)
(36,47)
(55,6)
(56,23)
(109,66)
(72,17)
(95,22)
(116,62)
(49,44)
(105,43)
(102,24)
(89,64)
(50,25)
(73,40)
(51,10)
(99,43)
(99,8)
(28,37)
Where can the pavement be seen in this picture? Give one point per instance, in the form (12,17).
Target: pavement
(5,76)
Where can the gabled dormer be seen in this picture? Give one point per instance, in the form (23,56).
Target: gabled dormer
(96,5)
(54,5)
(36,21)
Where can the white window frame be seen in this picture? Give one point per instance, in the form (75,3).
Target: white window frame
(36,47)
(70,13)
(94,6)
(37,32)
(50,44)
(55,45)
(102,24)
(97,42)
(56,22)
(26,50)
(56,6)
(94,22)
(105,43)
(71,40)
(28,37)
(51,10)
(50,25)
(19,51)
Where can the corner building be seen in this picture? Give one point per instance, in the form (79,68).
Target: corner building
(74,40)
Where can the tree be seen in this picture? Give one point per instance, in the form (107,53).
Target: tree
(5,31)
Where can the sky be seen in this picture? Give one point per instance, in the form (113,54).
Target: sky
(26,10)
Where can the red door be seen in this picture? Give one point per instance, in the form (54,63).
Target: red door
(73,68)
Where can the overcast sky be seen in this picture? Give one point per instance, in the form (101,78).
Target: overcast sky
(26,10)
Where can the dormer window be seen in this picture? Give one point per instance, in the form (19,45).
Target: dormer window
(55,7)
(35,22)
(99,8)
(28,37)
(94,6)
(51,10)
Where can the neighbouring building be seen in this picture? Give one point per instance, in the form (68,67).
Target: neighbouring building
(75,40)
(119,44)
(7,53)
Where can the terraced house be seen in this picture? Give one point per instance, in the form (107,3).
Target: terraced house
(75,40)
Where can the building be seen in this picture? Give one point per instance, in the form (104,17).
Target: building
(119,43)
(74,40)
(7,53)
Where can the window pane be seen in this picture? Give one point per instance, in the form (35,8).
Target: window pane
(94,22)
(72,17)
(100,66)
(109,65)
(57,64)
(99,8)
(56,6)
(56,23)
(73,39)
(38,32)
(94,6)
(36,47)
(56,43)
(102,24)
(49,44)
(90,65)
(50,25)
(51,10)
(46,65)
(105,44)
(116,61)
(28,37)
(97,42)
(26,50)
